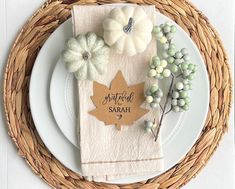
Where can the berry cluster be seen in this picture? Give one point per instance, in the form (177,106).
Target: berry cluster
(158,68)
(165,32)
(154,95)
(179,98)
(149,125)
(188,70)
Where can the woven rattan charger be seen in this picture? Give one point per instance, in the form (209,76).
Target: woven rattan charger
(19,119)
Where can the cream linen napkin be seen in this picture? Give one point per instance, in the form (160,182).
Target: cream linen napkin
(107,153)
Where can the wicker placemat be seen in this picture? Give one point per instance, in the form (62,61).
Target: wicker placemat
(19,119)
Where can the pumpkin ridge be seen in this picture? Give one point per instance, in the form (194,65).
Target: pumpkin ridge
(110,34)
(121,15)
(136,15)
(91,70)
(117,44)
(107,24)
(128,12)
(82,41)
(127,46)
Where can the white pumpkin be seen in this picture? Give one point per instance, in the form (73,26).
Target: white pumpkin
(86,56)
(128,30)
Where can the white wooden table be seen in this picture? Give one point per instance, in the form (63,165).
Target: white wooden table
(15,173)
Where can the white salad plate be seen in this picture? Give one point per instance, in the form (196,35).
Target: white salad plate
(53,104)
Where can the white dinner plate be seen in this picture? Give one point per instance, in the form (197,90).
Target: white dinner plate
(49,79)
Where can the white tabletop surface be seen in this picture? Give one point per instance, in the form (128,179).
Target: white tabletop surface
(15,173)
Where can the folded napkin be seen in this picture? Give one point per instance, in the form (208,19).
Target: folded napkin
(107,153)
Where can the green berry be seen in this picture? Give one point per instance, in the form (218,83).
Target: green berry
(186,87)
(177,61)
(174,102)
(169,36)
(159,69)
(171,51)
(184,66)
(175,94)
(186,57)
(178,55)
(163,39)
(158,76)
(152,73)
(156,63)
(184,51)
(173,29)
(179,85)
(167,29)
(163,63)
(149,99)
(183,94)
(154,88)
(147,129)
(185,107)
(191,77)
(181,102)
(176,108)
(168,23)
(174,68)
(170,60)
(156,29)
(185,82)
(155,58)
(159,93)
(193,73)
(159,35)
(186,73)
(148,123)
(166,73)
(191,67)
(187,100)
(153,105)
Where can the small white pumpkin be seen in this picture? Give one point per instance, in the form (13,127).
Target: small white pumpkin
(128,30)
(86,56)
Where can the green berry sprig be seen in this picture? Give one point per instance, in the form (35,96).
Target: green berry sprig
(174,63)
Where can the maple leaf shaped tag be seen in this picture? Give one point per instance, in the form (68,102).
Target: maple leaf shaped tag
(119,105)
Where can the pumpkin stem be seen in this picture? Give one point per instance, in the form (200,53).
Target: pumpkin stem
(86,55)
(129,27)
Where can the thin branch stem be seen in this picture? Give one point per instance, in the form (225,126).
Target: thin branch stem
(161,107)
(179,75)
(154,122)
(168,111)
(153,133)
(165,106)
